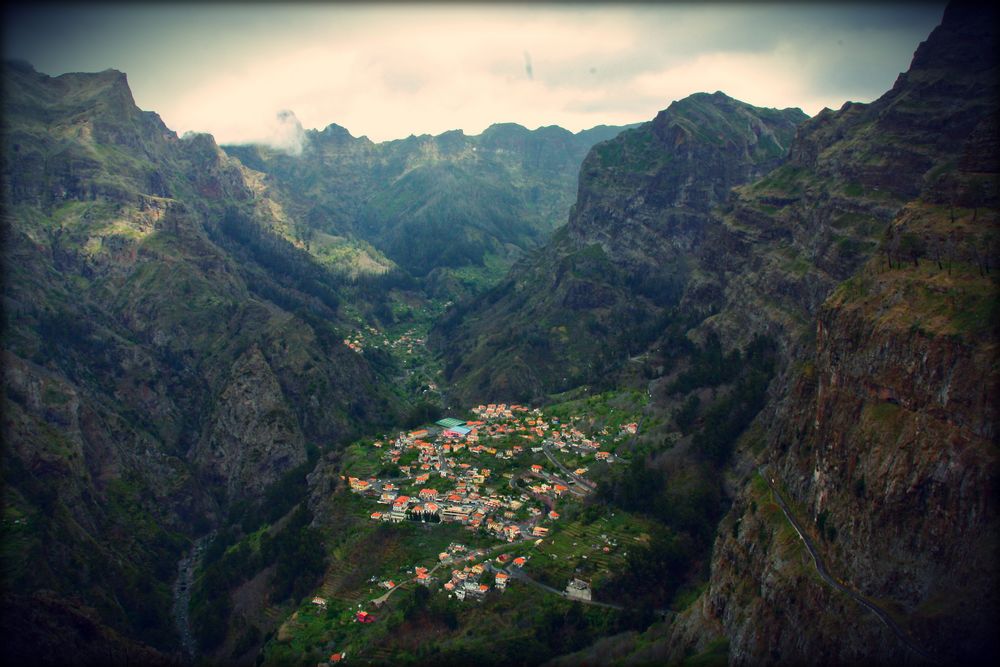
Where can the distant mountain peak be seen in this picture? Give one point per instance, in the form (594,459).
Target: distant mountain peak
(334,131)
(19,65)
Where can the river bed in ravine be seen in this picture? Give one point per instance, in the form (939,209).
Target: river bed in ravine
(182,594)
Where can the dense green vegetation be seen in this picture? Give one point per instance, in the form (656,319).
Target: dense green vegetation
(520,626)
(685,495)
(40,549)
(633,268)
(294,553)
(454,208)
(280,257)
(247,546)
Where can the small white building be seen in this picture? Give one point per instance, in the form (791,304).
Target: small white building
(578,589)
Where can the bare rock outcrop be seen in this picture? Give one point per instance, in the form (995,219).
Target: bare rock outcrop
(254,435)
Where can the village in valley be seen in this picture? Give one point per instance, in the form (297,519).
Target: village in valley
(479,474)
(485,516)
(368,336)
(479,506)
(453,455)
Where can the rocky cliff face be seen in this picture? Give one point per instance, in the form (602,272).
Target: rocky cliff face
(254,436)
(866,255)
(792,236)
(607,283)
(159,334)
(887,445)
(887,437)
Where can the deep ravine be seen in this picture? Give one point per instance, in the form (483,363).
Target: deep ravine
(182,593)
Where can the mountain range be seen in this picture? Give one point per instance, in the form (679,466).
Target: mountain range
(426,205)
(807,305)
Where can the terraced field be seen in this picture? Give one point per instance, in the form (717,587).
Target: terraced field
(577,549)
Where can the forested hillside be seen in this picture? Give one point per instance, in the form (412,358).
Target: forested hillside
(429,205)
(166,351)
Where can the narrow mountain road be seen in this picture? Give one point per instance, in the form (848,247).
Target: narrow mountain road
(824,573)
(569,473)
(520,575)
(379,601)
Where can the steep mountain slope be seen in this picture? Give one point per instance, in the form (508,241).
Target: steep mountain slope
(887,440)
(427,203)
(608,284)
(166,352)
(868,256)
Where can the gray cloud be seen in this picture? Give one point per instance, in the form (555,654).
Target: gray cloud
(220,69)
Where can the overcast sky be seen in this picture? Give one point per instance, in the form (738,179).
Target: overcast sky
(390,70)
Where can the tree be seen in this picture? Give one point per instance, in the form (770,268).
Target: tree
(685,415)
(913,247)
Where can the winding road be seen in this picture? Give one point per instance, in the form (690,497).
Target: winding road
(832,581)
(590,486)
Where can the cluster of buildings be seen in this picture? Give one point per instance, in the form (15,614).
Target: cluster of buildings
(375,339)
(357,343)
(472,473)
(440,488)
(467,504)
(458,471)
(439,482)
(571,439)
(473,582)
